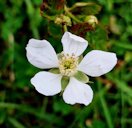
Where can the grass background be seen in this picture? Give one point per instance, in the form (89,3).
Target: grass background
(20,104)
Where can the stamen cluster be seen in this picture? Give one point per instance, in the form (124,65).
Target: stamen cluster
(68,64)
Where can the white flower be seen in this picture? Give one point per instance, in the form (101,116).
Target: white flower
(41,54)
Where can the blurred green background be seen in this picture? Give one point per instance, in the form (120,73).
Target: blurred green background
(21,106)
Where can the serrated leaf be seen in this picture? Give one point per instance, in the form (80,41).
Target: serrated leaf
(85,8)
(81,29)
(81,77)
(55,70)
(64,82)
(52,7)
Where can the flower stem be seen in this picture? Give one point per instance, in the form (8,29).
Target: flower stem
(65,28)
(52,18)
(71,15)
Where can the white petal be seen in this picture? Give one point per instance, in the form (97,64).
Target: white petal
(73,44)
(47,83)
(77,92)
(41,54)
(97,63)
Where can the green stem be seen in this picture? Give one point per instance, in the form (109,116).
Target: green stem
(65,28)
(122,109)
(71,15)
(105,108)
(48,17)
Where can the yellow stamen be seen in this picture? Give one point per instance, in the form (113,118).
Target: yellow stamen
(68,64)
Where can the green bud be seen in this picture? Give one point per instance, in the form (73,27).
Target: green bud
(62,19)
(92,20)
(81,77)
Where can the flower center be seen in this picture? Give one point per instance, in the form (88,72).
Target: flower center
(68,64)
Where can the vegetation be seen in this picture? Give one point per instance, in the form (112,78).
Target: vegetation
(21,106)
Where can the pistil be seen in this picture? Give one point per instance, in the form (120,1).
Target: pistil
(68,64)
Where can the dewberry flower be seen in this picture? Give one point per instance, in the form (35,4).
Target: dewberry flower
(68,65)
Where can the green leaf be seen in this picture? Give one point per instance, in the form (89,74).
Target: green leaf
(105,107)
(55,70)
(81,77)
(2,116)
(60,106)
(54,30)
(64,82)
(123,45)
(15,123)
(98,38)
(128,56)
(85,8)
(98,124)
(124,12)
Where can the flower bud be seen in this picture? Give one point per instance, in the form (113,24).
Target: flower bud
(62,19)
(92,20)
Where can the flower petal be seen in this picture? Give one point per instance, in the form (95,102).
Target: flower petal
(73,44)
(77,92)
(47,83)
(97,63)
(41,54)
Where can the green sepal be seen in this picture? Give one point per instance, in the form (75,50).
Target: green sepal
(81,77)
(64,82)
(59,55)
(55,70)
(91,82)
(80,58)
